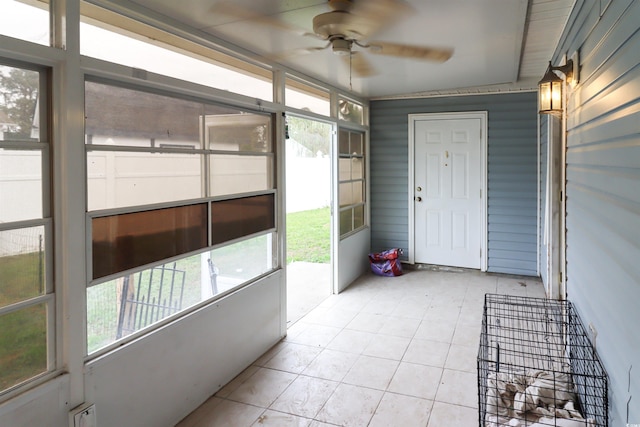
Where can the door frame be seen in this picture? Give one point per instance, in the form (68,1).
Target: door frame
(483,116)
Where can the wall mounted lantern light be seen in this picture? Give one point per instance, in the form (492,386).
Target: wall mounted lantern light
(550,87)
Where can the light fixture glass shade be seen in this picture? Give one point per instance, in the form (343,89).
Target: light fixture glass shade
(550,93)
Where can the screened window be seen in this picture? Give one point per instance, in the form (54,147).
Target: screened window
(27,328)
(115,38)
(306,97)
(181,203)
(351,177)
(25,20)
(136,301)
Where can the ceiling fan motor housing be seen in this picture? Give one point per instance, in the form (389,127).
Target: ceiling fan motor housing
(335,24)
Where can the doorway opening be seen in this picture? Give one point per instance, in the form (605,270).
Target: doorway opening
(309,225)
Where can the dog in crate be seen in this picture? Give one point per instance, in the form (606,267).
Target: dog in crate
(535,398)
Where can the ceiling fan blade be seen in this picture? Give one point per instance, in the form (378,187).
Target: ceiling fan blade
(410,51)
(359,64)
(297,52)
(245,14)
(368,17)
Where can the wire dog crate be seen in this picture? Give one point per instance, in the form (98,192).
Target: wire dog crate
(537,367)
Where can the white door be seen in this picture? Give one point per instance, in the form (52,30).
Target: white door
(447,192)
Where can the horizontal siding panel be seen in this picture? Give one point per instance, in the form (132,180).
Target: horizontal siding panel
(624,60)
(622,153)
(512,210)
(510,255)
(617,184)
(514,229)
(510,246)
(516,203)
(511,271)
(512,219)
(617,95)
(510,266)
(603,46)
(383,220)
(606,129)
(510,237)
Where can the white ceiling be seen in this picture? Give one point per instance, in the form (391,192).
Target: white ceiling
(504,44)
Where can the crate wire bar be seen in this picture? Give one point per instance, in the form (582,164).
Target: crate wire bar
(537,367)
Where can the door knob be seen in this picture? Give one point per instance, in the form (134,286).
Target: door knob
(418,199)
(419,189)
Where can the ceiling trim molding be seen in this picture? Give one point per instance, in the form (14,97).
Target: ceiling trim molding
(524,86)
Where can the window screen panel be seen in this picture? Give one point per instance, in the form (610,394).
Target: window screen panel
(121,116)
(20,185)
(234,174)
(239,132)
(23,354)
(22,264)
(125,241)
(118,179)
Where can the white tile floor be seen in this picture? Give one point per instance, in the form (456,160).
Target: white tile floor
(386,352)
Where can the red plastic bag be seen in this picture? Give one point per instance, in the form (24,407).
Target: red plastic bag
(386,263)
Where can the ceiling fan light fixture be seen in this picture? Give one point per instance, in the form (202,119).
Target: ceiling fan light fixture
(341,46)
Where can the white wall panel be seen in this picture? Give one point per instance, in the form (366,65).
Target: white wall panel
(158,380)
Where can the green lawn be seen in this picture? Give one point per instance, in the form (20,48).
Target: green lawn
(309,236)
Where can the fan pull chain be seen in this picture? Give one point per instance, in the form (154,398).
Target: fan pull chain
(350,67)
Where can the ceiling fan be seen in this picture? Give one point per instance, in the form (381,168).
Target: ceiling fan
(348,29)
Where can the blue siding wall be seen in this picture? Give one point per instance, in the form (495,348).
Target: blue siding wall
(603,189)
(512,174)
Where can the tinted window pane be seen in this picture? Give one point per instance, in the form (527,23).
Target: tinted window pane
(19,91)
(23,345)
(118,179)
(125,241)
(232,219)
(24,21)
(119,116)
(239,132)
(22,264)
(20,185)
(240,174)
